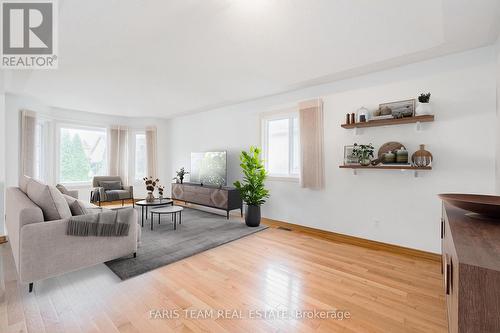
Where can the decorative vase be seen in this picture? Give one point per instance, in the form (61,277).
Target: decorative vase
(423,109)
(160,196)
(365,161)
(181,179)
(252,217)
(390,157)
(402,155)
(150,197)
(422,157)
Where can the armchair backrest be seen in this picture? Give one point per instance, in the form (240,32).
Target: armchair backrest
(97,179)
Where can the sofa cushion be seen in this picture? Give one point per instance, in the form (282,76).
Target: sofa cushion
(122,194)
(52,202)
(80,207)
(62,188)
(23,183)
(111,185)
(77,209)
(75,206)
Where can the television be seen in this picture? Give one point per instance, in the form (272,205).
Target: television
(209,168)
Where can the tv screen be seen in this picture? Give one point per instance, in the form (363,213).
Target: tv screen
(209,168)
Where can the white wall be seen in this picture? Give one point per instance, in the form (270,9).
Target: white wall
(387,206)
(15,103)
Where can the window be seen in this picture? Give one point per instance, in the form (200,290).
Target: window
(140,156)
(281,145)
(82,154)
(39,172)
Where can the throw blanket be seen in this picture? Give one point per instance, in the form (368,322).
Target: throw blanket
(105,224)
(112,195)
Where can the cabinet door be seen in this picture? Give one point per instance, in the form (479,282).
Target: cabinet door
(450,277)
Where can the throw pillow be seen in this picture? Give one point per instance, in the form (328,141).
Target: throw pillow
(23,183)
(62,188)
(111,185)
(49,199)
(77,207)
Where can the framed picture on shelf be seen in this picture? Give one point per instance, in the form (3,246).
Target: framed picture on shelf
(400,109)
(349,158)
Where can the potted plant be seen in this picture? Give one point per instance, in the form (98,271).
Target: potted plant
(150,187)
(363,153)
(161,188)
(180,175)
(252,189)
(424,106)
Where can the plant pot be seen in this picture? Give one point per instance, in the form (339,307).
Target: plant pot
(423,109)
(150,197)
(365,162)
(252,217)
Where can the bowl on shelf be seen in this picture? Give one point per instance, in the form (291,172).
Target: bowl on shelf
(486,205)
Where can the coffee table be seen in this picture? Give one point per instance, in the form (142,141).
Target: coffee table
(156,203)
(173,210)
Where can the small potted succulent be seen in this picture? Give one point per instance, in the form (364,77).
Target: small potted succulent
(150,183)
(363,153)
(424,106)
(180,175)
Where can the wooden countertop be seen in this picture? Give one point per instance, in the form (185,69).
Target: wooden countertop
(476,239)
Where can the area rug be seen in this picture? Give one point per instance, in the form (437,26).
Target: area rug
(199,231)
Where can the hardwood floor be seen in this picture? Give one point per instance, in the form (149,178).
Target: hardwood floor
(270,270)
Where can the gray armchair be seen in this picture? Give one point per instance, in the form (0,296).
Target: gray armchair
(110,188)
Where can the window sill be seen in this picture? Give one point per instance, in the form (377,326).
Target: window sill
(290,179)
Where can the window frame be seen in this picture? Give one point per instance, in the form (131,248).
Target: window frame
(134,176)
(289,114)
(57,153)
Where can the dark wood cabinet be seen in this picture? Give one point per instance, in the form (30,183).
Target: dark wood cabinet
(226,198)
(471,271)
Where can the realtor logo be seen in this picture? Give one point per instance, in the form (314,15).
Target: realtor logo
(28,34)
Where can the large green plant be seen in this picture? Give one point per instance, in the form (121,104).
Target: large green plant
(252,189)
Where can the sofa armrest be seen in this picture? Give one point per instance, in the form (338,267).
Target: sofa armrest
(19,211)
(47,251)
(72,193)
(101,194)
(130,189)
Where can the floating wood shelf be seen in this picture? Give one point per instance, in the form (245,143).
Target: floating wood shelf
(386,167)
(395,121)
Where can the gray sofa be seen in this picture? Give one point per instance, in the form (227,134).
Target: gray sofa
(100,192)
(38,237)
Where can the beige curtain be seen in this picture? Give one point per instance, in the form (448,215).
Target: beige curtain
(151,148)
(118,153)
(28,134)
(312,173)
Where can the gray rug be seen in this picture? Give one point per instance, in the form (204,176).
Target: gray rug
(199,232)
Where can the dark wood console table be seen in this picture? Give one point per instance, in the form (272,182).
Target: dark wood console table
(225,198)
(471,271)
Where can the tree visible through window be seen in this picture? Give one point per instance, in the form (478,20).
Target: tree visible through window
(82,154)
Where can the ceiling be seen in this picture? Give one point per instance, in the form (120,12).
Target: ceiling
(166,58)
